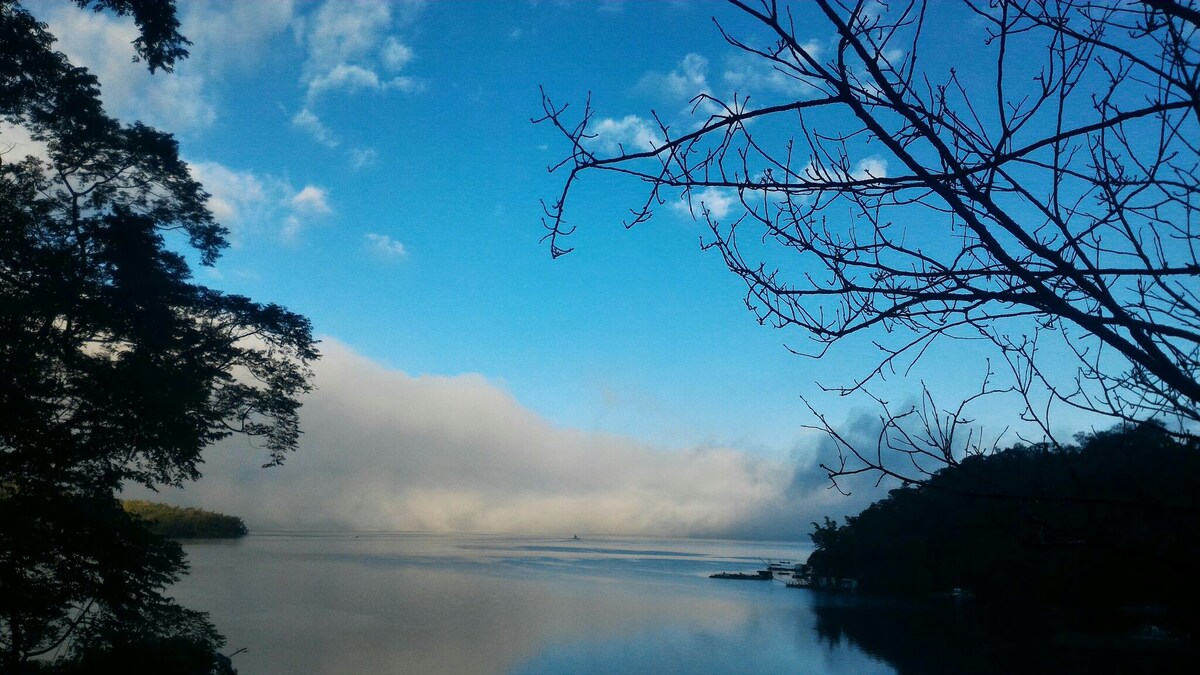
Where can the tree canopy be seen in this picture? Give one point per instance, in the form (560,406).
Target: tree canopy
(185,523)
(115,367)
(1105,522)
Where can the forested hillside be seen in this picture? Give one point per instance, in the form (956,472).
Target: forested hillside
(185,523)
(1110,520)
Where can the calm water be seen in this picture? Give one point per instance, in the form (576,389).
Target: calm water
(313,603)
(419,603)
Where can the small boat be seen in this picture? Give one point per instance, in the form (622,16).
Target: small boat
(782,566)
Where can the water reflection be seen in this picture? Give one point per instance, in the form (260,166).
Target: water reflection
(932,637)
(415,603)
(442,604)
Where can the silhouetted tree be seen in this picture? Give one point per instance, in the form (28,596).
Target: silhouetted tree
(1107,522)
(1036,192)
(114,366)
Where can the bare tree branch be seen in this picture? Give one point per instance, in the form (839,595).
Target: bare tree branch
(1042,199)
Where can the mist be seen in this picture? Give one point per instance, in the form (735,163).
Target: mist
(385,450)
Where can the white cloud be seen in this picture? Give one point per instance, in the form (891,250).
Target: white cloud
(343,31)
(717,201)
(225,34)
(250,204)
(630,133)
(687,81)
(232,34)
(349,49)
(750,75)
(348,78)
(178,102)
(385,450)
(307,121)
(395,55)
(291,228)
(683,85)
(311,200)
(16,144)
(871,167)
(384,245)
(404,83)
(235,196)
(362,157)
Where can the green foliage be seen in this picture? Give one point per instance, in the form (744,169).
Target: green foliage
(184,523)
(114,367)
(1111,520)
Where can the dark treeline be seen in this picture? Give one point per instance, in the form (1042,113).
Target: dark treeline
(1109,521)
(185,523)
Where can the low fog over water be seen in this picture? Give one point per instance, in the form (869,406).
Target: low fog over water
(385,450)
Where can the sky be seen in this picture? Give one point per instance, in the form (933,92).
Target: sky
(376,165)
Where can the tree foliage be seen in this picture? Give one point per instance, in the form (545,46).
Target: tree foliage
(184,523)
(1027,181)
(115,367)
(1108,521)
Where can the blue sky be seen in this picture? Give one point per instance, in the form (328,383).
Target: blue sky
(376,165)
(396,203)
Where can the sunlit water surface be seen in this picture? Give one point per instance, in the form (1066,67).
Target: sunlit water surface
(421,603)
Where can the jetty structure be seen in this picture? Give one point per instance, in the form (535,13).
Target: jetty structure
(783,570)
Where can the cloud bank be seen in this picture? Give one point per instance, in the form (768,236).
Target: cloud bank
(385,450)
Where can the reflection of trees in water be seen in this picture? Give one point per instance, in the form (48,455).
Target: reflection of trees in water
(931,637)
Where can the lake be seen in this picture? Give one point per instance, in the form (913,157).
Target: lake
(421,603)
(346,603)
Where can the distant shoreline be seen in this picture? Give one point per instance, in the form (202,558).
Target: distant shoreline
(176,522)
